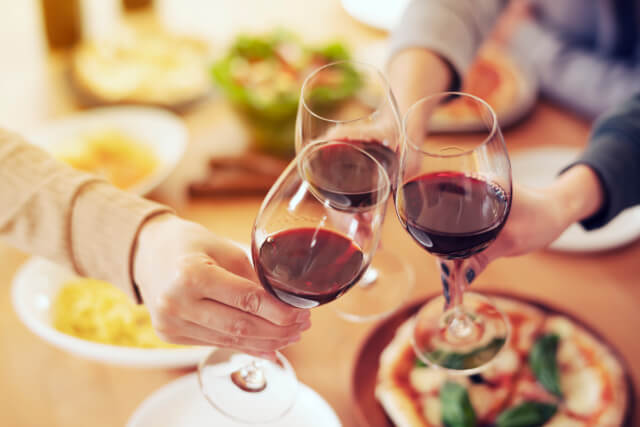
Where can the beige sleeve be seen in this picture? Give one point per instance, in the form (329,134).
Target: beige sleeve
(72,218)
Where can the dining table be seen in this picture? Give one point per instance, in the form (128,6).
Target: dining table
(41,385)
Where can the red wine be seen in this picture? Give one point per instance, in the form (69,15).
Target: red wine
(451,214)
(383,154)
(306,267)
(347,177)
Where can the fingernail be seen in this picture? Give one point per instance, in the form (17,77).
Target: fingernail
(445,269)
(470,275)
(293,339)
(445,287)
(302,316)
(305,325)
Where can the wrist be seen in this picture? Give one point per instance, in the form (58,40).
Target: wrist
(418,72)
(578,194)
(147,239)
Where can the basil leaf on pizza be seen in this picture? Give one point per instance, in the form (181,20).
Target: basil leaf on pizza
(544,364)
(527,414)
(456,406)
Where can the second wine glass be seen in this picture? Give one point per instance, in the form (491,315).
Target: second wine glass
(352,102)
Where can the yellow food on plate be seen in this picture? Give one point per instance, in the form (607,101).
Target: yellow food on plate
(119,158)
(97,311)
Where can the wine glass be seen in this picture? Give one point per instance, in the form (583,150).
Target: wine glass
(312,240)
(352,102)
(453,197)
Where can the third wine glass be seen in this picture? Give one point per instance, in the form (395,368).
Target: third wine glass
(453,199)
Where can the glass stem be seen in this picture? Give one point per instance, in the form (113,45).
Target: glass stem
(453,283)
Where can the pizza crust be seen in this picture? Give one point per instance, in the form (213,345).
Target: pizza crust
(395,400)
(409,394)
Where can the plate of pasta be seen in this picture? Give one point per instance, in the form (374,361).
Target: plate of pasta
(92,319)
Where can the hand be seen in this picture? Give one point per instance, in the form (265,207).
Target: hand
(535,220)
(202,290)
(538,217)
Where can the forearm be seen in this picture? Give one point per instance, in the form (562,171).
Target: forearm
(434,44)
(576,195)
(72,218)
(410,79)
(613,154)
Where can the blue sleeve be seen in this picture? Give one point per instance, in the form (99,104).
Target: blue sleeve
(614,154)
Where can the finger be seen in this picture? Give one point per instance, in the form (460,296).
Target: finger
(213,282)
(228,320)
(235,259)
(200,333)
(473,266)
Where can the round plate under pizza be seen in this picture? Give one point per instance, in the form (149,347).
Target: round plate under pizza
(370,412)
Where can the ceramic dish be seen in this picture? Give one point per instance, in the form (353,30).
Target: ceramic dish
(34,289)
(162,132)
(380,14)
(180,403)
(363,381)
(539,167)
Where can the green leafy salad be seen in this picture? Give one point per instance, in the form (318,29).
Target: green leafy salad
(262,77)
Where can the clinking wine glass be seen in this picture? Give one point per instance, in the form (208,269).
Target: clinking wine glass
(352,102)
(312,240)
(453,198)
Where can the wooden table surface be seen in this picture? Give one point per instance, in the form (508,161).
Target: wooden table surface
(43,386)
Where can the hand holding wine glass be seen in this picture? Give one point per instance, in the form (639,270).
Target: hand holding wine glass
(453,199)
(312,240)
(201,289)
(540,216)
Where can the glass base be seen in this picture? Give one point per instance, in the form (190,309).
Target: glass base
(248,389)
(383,288)
(463,339)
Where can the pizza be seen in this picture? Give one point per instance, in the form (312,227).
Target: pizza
(497,79)
(552,372)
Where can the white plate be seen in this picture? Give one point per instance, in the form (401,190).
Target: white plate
(34,289)
(521,105)
(539,167)
(380,14)
(162,131)
(181,404)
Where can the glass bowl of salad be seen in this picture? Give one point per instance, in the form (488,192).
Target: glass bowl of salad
(262,77)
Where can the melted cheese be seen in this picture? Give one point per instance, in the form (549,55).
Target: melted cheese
(427,380)
(432,410)
(583,391)
(506,363)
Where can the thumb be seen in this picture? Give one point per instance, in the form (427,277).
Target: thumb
(473,266)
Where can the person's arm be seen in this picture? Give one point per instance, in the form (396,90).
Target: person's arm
(613,154)
(75,219)
(603,181)
(570,74)
(434,44)
(199,288)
